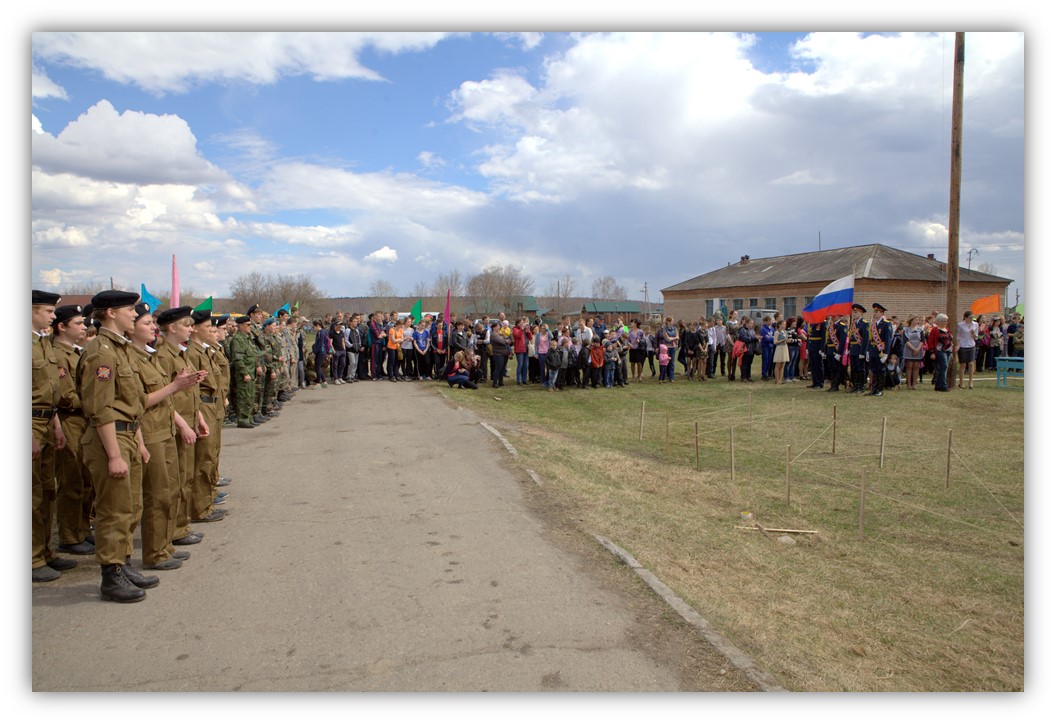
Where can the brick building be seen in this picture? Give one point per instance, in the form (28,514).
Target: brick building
(905,283)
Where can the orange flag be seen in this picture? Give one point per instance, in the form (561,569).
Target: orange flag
(986,305)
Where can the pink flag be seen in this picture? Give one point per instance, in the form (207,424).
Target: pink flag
(447,310)
(174,298)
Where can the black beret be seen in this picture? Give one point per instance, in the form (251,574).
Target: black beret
(173,315)
(64,314)
(142,310)
(201,315)
(243,319)
(40,297)
(88,309)
(221,320)
(114,298)
(254,308)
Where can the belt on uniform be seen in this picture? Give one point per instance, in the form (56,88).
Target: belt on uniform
(121,426)
(68,413)
(208,400)
(48,412)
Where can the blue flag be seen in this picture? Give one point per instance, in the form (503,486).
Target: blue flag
(149,298)
(285,307)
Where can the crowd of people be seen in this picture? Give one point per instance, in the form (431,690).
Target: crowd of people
(844,351)
(129,403)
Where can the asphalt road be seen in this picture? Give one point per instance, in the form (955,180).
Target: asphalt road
(378,540)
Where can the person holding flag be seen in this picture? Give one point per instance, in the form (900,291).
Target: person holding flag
(835,300)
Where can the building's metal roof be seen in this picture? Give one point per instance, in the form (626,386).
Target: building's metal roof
(624,307)
(872,261)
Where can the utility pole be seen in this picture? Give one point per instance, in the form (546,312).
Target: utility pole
(645,291)
(953,276)
(819,239)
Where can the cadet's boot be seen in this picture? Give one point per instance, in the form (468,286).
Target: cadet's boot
(116,587)
(136,578)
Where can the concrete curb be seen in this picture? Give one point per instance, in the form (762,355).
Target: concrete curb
(736,657)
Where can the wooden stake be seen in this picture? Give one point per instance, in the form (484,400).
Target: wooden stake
(732,475)
(641,424)
(667,431)
(861,508)
(883,440)
(788,474)
(949,457)
(834,429)
(696,443)
(749,412)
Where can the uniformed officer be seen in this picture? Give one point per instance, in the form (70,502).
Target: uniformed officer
(244,371)
(47,437)
(271,363)
(835,344)
(75,499)
(219,354)
(206,451)
(858,335)
(880,334)
(816,333)
(256,315)
(113,399)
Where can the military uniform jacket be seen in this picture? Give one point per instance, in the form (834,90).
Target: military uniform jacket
(172,359)
(816,332)
(219,357)
(198,358)
(256,334)
(45,382)
(157,422)
(108,381)
(880,334)
(859,332)
(68,357)
(835,339)
(243,355)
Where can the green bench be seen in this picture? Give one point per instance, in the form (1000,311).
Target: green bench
(1008,367)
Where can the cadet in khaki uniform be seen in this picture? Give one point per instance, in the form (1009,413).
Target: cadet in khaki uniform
(218,354)
(175,326)
(112,397)
(206,452)
(75,500)
(158,428)
(47,438)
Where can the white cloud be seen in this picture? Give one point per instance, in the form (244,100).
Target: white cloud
(130,147)
(44,87)
(384,254)
(175,62)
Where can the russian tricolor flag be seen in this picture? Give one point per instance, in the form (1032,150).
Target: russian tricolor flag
(833,301)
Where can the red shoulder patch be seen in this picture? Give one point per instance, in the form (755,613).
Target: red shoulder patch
(103,373)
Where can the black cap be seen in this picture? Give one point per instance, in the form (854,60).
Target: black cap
(114,298)
(243,319)
(142,310)
(64,314)
(878,305)
(221,320)
(858,306)
(254,308)
(40,297)
(201,315)
(173,315)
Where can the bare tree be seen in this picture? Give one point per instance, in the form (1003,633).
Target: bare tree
(987,268)
(496,287)
(384,292)
(558,293)
(607,289)
(272,291)
(454,281)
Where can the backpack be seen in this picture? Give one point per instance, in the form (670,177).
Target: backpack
(553,358)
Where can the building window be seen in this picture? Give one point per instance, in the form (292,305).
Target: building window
(738,304)
(789,307)
(709,308)
(771,303)
(807,300)
(753,302)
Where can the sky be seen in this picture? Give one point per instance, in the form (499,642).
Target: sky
(649,157)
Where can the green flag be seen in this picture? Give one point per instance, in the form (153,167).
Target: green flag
(1019,308)
(206,306)
(416,311)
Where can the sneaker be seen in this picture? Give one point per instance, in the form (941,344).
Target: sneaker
(324,385)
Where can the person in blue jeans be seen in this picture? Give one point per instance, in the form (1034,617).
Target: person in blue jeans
(941,342)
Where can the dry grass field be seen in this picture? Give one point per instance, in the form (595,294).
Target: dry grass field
(929,598)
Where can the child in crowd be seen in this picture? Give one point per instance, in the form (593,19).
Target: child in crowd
(664,359)
(597,362)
